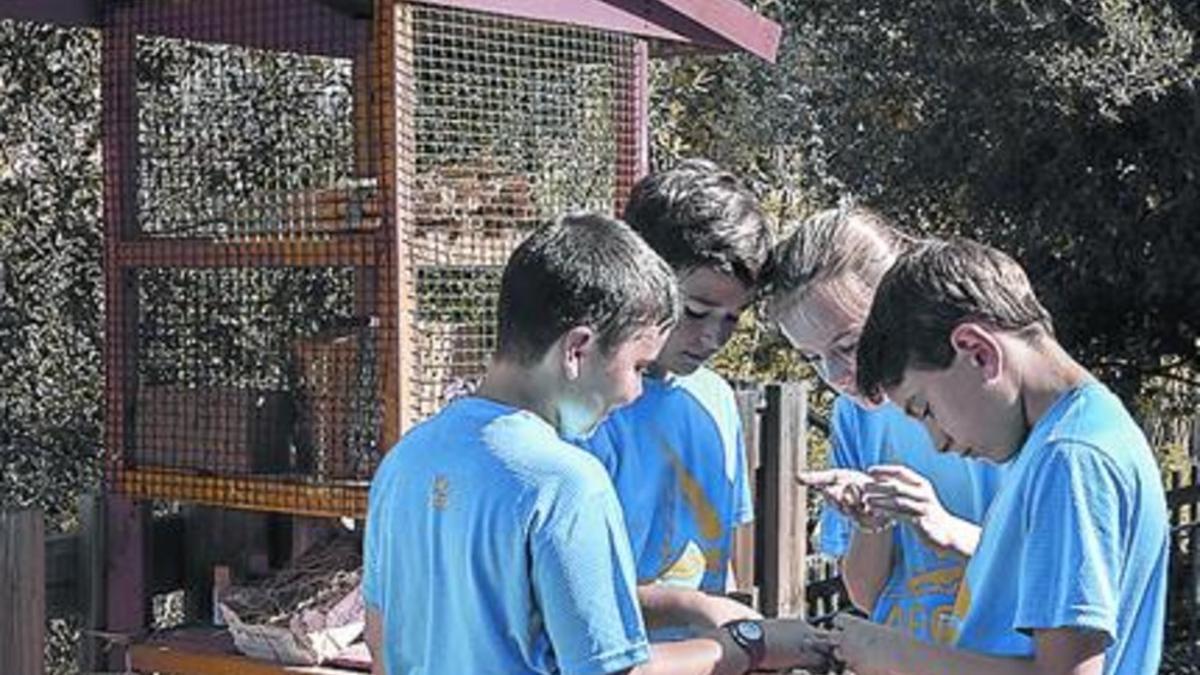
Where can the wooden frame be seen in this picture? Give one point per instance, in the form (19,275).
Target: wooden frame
(719,25)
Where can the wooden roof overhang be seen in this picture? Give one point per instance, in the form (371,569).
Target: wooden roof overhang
(670,25)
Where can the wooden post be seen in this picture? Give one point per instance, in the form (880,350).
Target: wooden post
(631,122)
(393,41)
(784,517)
(91,580)
(22,592)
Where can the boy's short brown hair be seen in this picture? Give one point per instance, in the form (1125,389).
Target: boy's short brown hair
(927,293)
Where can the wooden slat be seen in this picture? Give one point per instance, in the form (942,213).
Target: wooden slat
(297,26)
(631,121)
(126,556)
(171,660)
(92,580)
(22,591)
(62,574)
(251,493)
(393,68)
(784,500)
(345,250)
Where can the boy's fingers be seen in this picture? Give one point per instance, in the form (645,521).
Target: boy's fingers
(819,478)
(895,472)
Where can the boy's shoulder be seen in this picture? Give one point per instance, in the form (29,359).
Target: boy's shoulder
(1094,417)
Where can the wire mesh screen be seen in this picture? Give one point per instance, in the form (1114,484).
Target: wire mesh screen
(307,213)
(515,123)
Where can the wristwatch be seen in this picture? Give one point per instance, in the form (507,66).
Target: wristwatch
(749,635)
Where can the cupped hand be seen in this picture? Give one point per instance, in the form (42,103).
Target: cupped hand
(902,494)
(845,490)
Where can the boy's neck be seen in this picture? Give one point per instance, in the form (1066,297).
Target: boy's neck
(521,387)
(1046,373)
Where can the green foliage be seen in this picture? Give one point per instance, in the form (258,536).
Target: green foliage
(50,275)
(1064,132)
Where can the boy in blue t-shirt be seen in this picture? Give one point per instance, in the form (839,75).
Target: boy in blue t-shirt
(676,455)
(906,576)
(493,546)
(1070,572)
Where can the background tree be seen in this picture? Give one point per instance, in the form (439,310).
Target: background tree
(1065,132)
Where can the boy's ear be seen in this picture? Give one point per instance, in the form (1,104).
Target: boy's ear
(576,344)
(979,346)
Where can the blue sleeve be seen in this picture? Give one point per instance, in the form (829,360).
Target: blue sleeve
(836,529)
(1071,560)
(584,578)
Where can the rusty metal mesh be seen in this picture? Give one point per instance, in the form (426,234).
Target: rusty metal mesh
(515,123)
(305,235)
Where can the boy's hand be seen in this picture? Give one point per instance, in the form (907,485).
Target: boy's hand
(794,643)
(900,493)
(714,611)
(867,648)
(845,489)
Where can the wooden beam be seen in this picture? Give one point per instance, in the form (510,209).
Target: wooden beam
(296,26)
(718,25)
(785,516)
(631,114)
(348,250)
(127,559)
(253,493)
(91,577)
(394,70)
(62,574)
(170,660)
(741,27)
(22,591)
(65,13)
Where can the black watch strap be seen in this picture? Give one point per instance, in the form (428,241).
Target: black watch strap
(750,636)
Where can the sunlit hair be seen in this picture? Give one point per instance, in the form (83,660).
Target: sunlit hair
(695,215)
(587,269)
(846,242)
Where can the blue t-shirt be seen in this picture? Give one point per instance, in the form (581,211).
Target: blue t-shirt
(492,546)
(677,458)
(1077,537)
(923,583)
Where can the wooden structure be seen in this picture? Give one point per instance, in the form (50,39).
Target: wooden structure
(22,591)
(1183,510)
(306,207)
(770,565)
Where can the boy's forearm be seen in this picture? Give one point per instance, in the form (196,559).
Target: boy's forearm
(374,638)
(665,606)
(867,566)
(919,658)
(668,606)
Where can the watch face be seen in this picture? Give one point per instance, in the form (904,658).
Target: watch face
(750,630)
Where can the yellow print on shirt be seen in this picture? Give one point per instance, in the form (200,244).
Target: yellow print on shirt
(918,616)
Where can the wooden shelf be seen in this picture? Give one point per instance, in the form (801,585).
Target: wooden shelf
(210,651)
(269,493)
